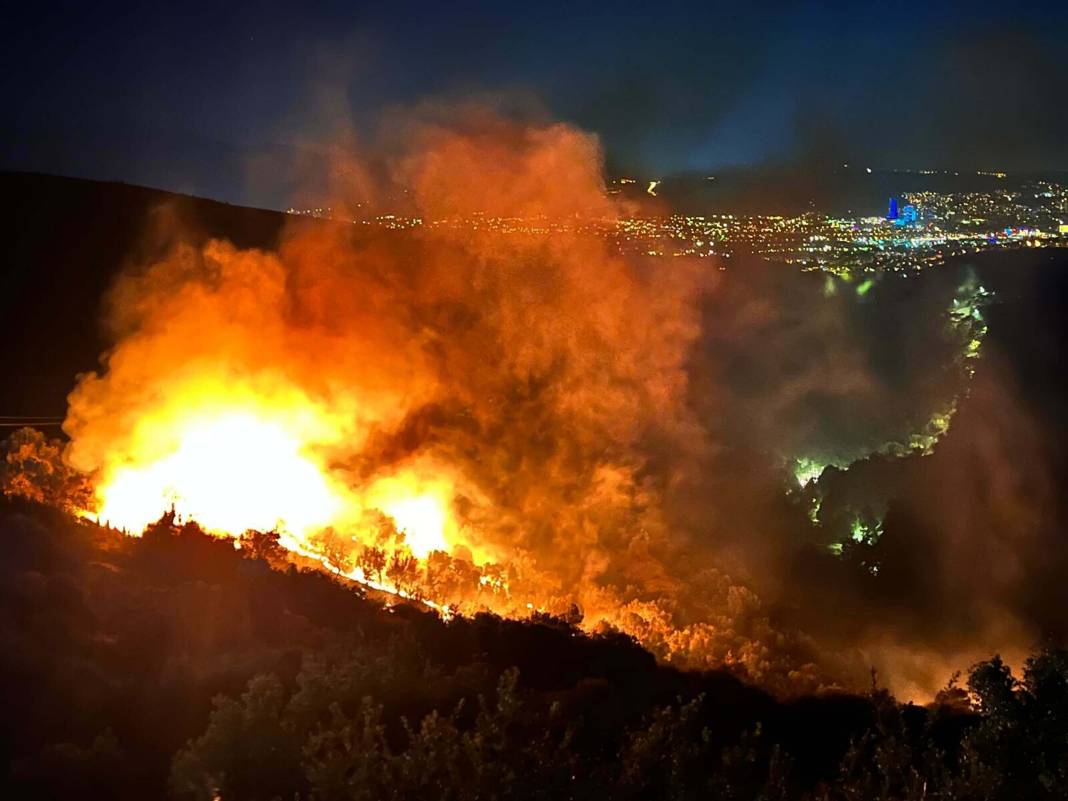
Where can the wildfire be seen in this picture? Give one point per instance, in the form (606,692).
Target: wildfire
(455,416)
(230,473)
(238,470)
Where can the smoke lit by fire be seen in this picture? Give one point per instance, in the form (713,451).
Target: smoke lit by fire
(477,403)
(489,420)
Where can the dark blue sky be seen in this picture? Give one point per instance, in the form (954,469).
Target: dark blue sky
(668,86)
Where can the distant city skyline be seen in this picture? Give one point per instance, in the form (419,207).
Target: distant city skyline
(924,230)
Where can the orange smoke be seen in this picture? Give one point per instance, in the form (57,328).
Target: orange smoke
(479,418)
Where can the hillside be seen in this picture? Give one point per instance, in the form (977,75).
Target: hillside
(117,645)
(113,649)
(63,241)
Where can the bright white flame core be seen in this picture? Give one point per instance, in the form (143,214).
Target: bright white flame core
(422,517)
(230,473)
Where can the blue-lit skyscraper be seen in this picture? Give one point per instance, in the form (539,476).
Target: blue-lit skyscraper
(910,215)
(891,214)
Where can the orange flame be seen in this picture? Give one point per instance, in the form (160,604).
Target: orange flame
(252,466)
(231,472)
(489,395)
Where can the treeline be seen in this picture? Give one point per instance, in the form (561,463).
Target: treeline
(176,664)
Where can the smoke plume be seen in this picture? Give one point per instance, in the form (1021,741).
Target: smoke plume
(602,433)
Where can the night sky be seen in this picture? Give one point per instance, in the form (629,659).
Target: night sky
(177,96)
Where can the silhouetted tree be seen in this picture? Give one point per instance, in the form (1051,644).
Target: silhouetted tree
(372,561)
(337,549)
(247,753)
(403,571)
(263,545)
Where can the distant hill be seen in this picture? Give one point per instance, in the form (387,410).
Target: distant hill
(61,242)
(268,174)
(797,189)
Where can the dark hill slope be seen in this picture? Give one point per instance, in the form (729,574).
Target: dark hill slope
(112,649)
(129,639)
(61,242)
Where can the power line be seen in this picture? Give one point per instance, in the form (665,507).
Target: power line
(25,420)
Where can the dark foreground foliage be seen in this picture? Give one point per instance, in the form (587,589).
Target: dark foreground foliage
(175,664)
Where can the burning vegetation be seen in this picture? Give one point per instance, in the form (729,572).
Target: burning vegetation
(530,422)
(453,414)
